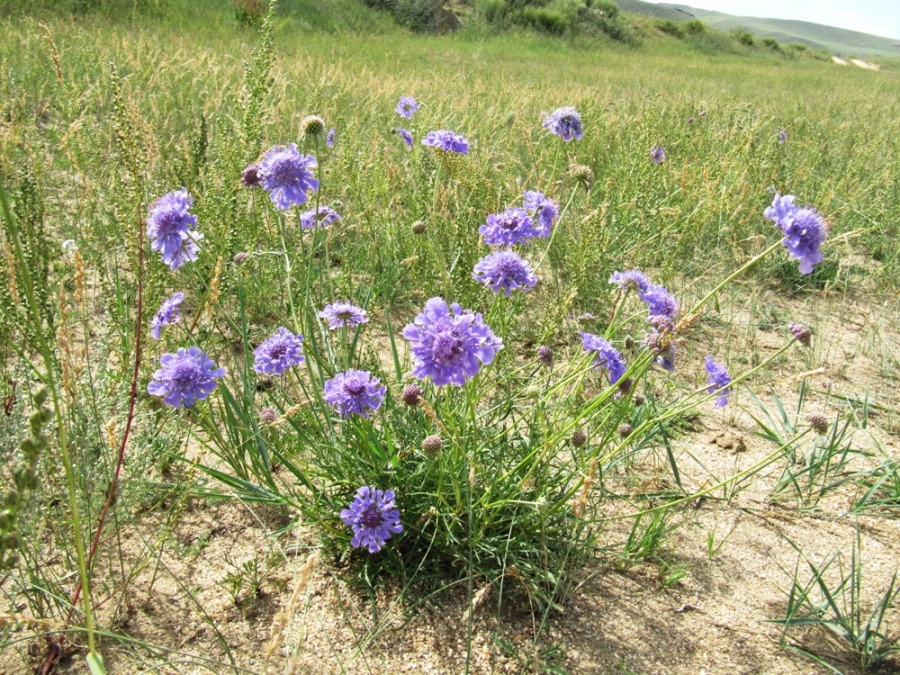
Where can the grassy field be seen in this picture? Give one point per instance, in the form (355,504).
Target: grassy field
(207,538)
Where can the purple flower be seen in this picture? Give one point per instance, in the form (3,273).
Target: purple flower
(608,357)
(343,315)
(658,154)
(354,392)
(659,301)
(280,352)
(506,271)
(373,517)
(187,376)
(407,106)
(169,313)
(446,141)
(801,333)
(250,176)
(449,344)
(719,381)
(544,211)
(513,226)
(170,227)
(782,136)
(329,138)
(631,279)
(405,135)
(565,123)
(804,230)
(286,175)
(326,215)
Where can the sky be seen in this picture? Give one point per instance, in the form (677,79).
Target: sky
(877,17)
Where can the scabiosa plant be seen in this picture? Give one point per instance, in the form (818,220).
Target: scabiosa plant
(185,377)
(631,280)
(801,333)
(312,219)
(312,126)
(250,176)
(659,301)
(565,123)
(545,355)
(513,226)
(719,381)
(658,154)
(412,393)
(329,138)
(504,271)
(354,392)
(449,344)
(168,313)
(343,315)
(171,228)
(374,518)
(405,135)
(407,106)
(803,228)
(607,356)
(544,211)
(281,351)
(446,141)
(782,136)
(286,175)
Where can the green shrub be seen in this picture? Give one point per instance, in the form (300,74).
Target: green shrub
(743,36)
(772,44)
(695,27)
(669,27)
(250,13)
(546,20)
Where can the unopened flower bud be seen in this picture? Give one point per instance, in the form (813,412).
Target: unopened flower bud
(801,333)
(819,423)
(240,258)
(432,444)
(578,439)
(545,354)
(312,125)
(639,399)
(418,227)
(411,394)
(625,430)
(250,176)
(267,415)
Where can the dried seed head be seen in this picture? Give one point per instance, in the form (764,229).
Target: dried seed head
(801,333)
(432,444)
(629,342)
(625,430)
(411,394)
(312,125)
(545,354)
(639,399)
(418,227)
(578,439)
(240,258)
(819,423)
(582,175)
(267,415)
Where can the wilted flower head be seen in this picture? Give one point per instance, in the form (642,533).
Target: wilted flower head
(565,123)
(625,430)
(801,333)
(631,280)
(447,141)
(658,154)
(405,135)
(544,211)
(607,356)
(545,354)
(354,392)
(170,227)
(719,381)
(373,516)
(513,226)
(281,351)
(449,344)
(168,313)
(185,377)
(286,175)
(310,220)
(504,271)
(250,176)
(329,138)
(407,106)
(343,315)
(411,395)
(312,125)
(582,174)
(804,230)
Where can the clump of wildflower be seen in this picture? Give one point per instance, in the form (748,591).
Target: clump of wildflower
(241,258)
(418,227)
(582,174)
(281,351)
(185,377)
(449,344)
(312,219)
(513,226)
(719,381)
(819,423)
(565,123)
(432,444)
(329,138)
(804,230)
(267,416)
(250,176)
(801,333)
(578,438)
(343,315)
(405,135)
(446,141)
(545,355)
(625,430)
(544,211)
(373,516)
(171,228)
(287,176)
(354,392)
(504,271)
(411,395)
(407,106)
(312,126)
(607,356)
(168,313)
(658,154)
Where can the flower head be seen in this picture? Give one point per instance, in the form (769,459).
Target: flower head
(280,352)
(659,301)
(782,136)
(631,280)
(171,228)
(607,356)
(185,377)
(447,141)
(513,226)
(432,444)
(268,416)
(168,313)
(544,211)
(565,123)
(313,220)
(373,516)
(719,381)
(354,392)
(286,175)
(407,106)
(803,228)
(411,395)
(449,344)
(658,154)
(405,135)
(250,176)
(801,333)
(343,315)
(545,355)
(504,271)
(329,138)
(312,125)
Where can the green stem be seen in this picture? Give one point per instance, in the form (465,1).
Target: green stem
(734,275)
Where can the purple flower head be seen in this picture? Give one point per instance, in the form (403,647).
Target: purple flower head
(250,176)
(781,208)
(310,220)
(662,344)
(170,227)
(446,141)
(329,138)
(279,353)
(343,315)
(187,376)
(719,381)
(801,333)
(565,123)
(405,135)
(354,392)
(449,344)
(169,313)
(659,301)
(545,354)
(286,175)
(782,136)
(513,226)
(631,280)
(373,516)
(804,230)
(407,106)
(607,356)
(544,211)
(504,271)
(658,154)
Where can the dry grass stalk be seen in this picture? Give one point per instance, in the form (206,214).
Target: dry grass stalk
(581,502)
(283,617)
(478,602)
(54,53)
